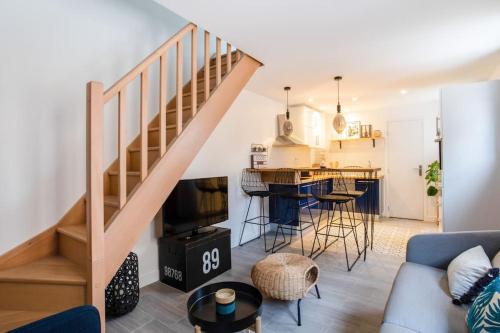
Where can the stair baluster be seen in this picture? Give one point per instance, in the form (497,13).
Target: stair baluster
(95,197)
(194,71)
(207,65)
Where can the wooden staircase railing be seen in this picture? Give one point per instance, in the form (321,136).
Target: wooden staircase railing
(103,258)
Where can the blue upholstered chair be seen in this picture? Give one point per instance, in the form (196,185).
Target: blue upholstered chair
(82,319)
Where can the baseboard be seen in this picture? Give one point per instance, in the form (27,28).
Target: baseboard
(430,218)
(148,277)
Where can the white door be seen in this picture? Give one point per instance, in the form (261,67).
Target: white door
(405,178)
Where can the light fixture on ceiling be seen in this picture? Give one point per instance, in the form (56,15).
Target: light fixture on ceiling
(355,99)
(339,123)
(287,125)
(310,99)
(403,91)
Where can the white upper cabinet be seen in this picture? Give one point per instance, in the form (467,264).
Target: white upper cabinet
(308,126)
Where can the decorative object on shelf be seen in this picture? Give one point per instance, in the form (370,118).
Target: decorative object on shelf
(225,301)
(353,130)
(122,293)
(287,125)
(258,155)
(339,122)
(377,134)
(433,175)
(366,131)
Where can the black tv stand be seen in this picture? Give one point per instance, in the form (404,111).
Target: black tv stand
(196,233)
(188,263)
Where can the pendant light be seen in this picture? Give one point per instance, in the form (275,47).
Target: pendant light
(339,123)
(287,125)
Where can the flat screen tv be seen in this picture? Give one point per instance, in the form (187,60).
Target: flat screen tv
(194,205)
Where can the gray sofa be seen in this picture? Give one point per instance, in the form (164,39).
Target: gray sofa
(420,299)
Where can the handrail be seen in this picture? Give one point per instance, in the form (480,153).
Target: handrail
(127,78)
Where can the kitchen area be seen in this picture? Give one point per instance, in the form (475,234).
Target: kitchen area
(340,173)
(313,144)
(308,135)
(309,182)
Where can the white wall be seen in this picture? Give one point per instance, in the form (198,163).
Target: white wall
(251,119)
(471,156)
(496,74)
(362,152)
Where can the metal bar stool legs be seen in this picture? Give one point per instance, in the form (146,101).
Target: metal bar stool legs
(262,223)
(342,233)
(294,208)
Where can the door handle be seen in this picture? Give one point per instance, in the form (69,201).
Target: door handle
(419,170)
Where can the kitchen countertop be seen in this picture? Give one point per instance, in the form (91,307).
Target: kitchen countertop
(299,177)
(321,169)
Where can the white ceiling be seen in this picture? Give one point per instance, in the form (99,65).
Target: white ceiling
(379,46)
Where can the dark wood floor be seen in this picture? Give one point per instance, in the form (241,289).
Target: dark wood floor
(351,301)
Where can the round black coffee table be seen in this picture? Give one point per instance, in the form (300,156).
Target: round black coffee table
(202,314)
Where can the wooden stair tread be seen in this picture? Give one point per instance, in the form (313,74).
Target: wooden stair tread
(112,200)
(129,173)
(75,231)
(185,109)
(174,109)
(49,270)
(10,319)
(186,94)
(136,149)
(155,129)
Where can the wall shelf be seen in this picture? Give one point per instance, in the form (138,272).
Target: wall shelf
(372,139)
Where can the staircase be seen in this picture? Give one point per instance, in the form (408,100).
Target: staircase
(70,263)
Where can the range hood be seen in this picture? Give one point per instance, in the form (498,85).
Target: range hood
(286,141)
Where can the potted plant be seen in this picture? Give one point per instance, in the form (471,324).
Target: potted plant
(433,175)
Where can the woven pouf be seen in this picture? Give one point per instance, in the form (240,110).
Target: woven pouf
(122,293)
(285,276)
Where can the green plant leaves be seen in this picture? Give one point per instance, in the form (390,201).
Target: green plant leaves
(432,191)
(432,175)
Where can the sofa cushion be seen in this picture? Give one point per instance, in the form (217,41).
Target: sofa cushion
(484,314)
(466,269)
(420,301)
(496,261)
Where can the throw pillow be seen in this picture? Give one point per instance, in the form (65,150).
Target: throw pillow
(484,314)
(478,287)
(466,269)
(496,260)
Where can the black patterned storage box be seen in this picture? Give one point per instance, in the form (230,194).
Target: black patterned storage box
(122,293)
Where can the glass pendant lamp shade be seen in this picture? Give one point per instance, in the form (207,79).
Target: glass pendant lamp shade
(339,123)
(287,125)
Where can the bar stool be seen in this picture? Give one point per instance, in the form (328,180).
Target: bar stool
(296,201)
(345,185)
(253,186)
(322,192)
